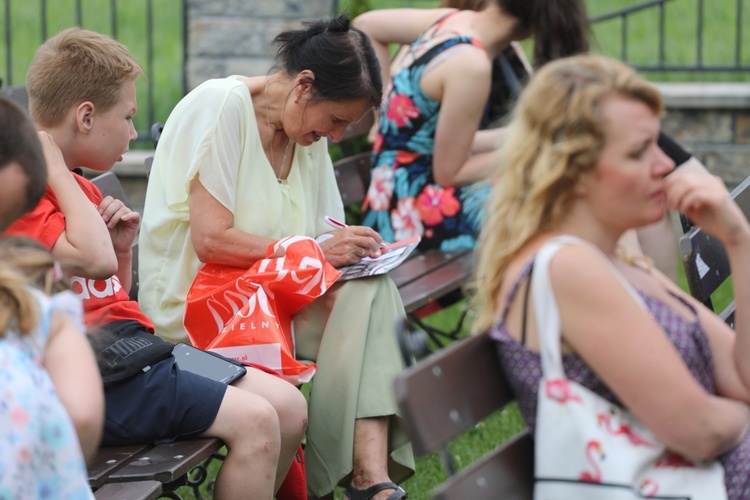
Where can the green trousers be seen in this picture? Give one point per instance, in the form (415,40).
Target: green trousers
(350,334)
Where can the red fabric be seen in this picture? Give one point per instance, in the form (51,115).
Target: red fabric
(294,486)
(246,314)
(104,301)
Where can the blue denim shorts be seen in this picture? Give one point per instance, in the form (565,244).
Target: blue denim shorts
(160,405)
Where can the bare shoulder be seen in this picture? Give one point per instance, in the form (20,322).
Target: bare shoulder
(469,69)
(580,270)
(473,59)
(577,259)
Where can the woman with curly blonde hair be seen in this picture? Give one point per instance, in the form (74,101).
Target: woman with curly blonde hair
(581,160)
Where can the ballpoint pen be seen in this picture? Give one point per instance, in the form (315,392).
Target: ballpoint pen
(337,224)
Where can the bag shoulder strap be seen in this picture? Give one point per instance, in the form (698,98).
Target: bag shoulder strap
(546,311)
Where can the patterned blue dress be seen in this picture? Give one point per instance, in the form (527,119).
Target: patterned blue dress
(40,456)
(403,199)
(523,370)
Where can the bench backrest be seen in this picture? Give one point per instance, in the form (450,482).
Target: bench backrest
(19,95)
(353,177)
(110,185)
(450,392)
(353,170)
(705,259)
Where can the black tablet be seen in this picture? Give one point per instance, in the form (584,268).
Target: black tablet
(207,364)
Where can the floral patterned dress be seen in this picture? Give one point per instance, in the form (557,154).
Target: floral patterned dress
(40,456)
(403,199)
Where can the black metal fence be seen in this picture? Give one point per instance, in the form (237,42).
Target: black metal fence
(153,30)
(726,31)
(669,36)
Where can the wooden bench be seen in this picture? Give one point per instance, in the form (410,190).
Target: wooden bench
(705,259)
(134,468)
(140,490)
(428,280)
(145,471)
(450,392)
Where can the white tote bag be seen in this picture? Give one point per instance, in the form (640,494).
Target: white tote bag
(588,448)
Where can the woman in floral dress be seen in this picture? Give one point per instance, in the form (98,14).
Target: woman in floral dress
(429,159)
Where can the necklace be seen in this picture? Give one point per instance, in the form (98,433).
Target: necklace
(280,173)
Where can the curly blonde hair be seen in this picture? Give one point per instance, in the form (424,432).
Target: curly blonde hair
(556,135)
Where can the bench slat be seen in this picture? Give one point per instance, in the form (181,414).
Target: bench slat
(167,462)
(419,264)
(136,490)
(440,397)
(507,473)
(450,392)
(110,185)
(108,460)
(350,174)
(437,283)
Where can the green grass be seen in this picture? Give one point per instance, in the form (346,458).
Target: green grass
(681,28)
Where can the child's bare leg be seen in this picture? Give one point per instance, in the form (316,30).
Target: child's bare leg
(249,426)
(291,408)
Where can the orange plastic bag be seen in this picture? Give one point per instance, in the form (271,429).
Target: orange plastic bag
(247,314)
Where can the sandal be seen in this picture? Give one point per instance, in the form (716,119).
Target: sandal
(355,494)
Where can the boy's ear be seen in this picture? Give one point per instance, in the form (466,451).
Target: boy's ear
(85,116)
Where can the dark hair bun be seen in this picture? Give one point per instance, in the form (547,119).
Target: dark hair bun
(339,24)
(341,58)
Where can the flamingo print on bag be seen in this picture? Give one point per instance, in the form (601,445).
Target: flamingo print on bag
(559,390)
(648,488)
(635,439)
(593,447)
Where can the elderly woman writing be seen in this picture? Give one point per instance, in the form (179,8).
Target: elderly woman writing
(240,165)
(581,159)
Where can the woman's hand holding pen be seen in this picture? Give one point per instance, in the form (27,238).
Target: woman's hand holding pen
(351,244)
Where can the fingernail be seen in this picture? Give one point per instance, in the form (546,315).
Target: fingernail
(377,254)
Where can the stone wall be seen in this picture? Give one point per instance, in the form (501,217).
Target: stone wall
(226,37)
(713,122)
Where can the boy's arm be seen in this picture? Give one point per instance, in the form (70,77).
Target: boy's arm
(84,248)
(122,223)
